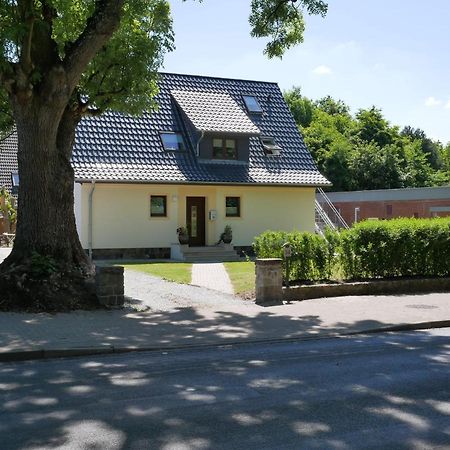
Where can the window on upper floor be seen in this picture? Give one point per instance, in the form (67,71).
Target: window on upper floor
(172,141)
(224,149)
(270,146)
(252,104)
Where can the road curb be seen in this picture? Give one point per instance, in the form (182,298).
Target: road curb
(28,355)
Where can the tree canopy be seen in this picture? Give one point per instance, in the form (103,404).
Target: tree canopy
(365,151)
(120,75)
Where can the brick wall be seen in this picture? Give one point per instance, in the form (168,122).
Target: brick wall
(389,209)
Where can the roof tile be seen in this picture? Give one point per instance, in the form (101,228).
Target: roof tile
(119,148)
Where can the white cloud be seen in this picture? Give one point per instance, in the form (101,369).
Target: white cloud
(431,101)
(322,70)
(448,104)
(346,46)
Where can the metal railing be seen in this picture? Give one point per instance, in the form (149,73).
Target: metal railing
(326,205)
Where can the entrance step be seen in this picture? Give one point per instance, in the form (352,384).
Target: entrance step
(210,254)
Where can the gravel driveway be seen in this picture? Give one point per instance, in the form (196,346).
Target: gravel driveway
(146,291)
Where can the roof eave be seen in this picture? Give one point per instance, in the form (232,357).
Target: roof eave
(209,183)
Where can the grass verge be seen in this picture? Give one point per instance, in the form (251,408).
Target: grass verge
(170,271)
(242,276)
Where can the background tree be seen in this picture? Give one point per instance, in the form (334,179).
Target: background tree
(301,107)
(365,151)
(333,107)
(59,61)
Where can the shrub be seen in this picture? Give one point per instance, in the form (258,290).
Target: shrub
(370,249)
(312,258)
(398,247)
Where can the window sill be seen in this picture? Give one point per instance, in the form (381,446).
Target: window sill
(232,162)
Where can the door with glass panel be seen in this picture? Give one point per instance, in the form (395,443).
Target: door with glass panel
(195,220)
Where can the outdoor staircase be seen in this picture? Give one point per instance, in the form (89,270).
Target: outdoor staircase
(326,214)
(216,253)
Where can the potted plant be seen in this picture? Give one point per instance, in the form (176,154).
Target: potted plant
(227,235)
(183,235)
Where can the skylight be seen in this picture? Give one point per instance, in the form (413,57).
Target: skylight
(15,179)
(270,147)
(252,104)
(172,141)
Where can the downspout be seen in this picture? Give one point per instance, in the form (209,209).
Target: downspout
(90,220)
(198,143)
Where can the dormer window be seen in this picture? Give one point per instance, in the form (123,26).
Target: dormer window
(224,149)
(252,104)
(270,146)
(172,141)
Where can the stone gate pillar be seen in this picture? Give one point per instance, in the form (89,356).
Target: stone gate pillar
(269,281)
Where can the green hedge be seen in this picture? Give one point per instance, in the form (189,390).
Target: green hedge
(398,247)
(312,256)
(370,249)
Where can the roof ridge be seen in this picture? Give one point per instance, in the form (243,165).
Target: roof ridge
(218,78)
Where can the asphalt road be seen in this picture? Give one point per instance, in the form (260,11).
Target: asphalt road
(384,391)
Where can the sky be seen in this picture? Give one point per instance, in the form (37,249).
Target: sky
(392,54)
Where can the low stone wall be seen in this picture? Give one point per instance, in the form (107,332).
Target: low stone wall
(131,253)
(109,286)
(378,287)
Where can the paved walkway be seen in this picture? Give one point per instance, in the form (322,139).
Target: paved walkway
(161,315)
(212,276)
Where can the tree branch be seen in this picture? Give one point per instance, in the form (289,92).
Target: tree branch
(27,17)
(99,28)
(275,10)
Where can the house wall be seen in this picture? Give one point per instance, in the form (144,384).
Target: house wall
(121,213)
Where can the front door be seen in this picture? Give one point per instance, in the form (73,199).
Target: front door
(195,220)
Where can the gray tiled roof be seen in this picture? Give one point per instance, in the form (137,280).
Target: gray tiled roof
(214,112)
(8,159)
(119,148)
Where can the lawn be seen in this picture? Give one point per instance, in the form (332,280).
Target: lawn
(178,272)
(242,276)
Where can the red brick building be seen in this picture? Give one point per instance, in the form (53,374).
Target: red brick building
(390,203)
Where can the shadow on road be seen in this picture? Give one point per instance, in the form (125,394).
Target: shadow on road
(116,403)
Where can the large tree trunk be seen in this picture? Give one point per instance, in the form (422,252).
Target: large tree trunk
(47,269)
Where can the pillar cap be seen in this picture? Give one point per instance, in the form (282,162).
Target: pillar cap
(268,261)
